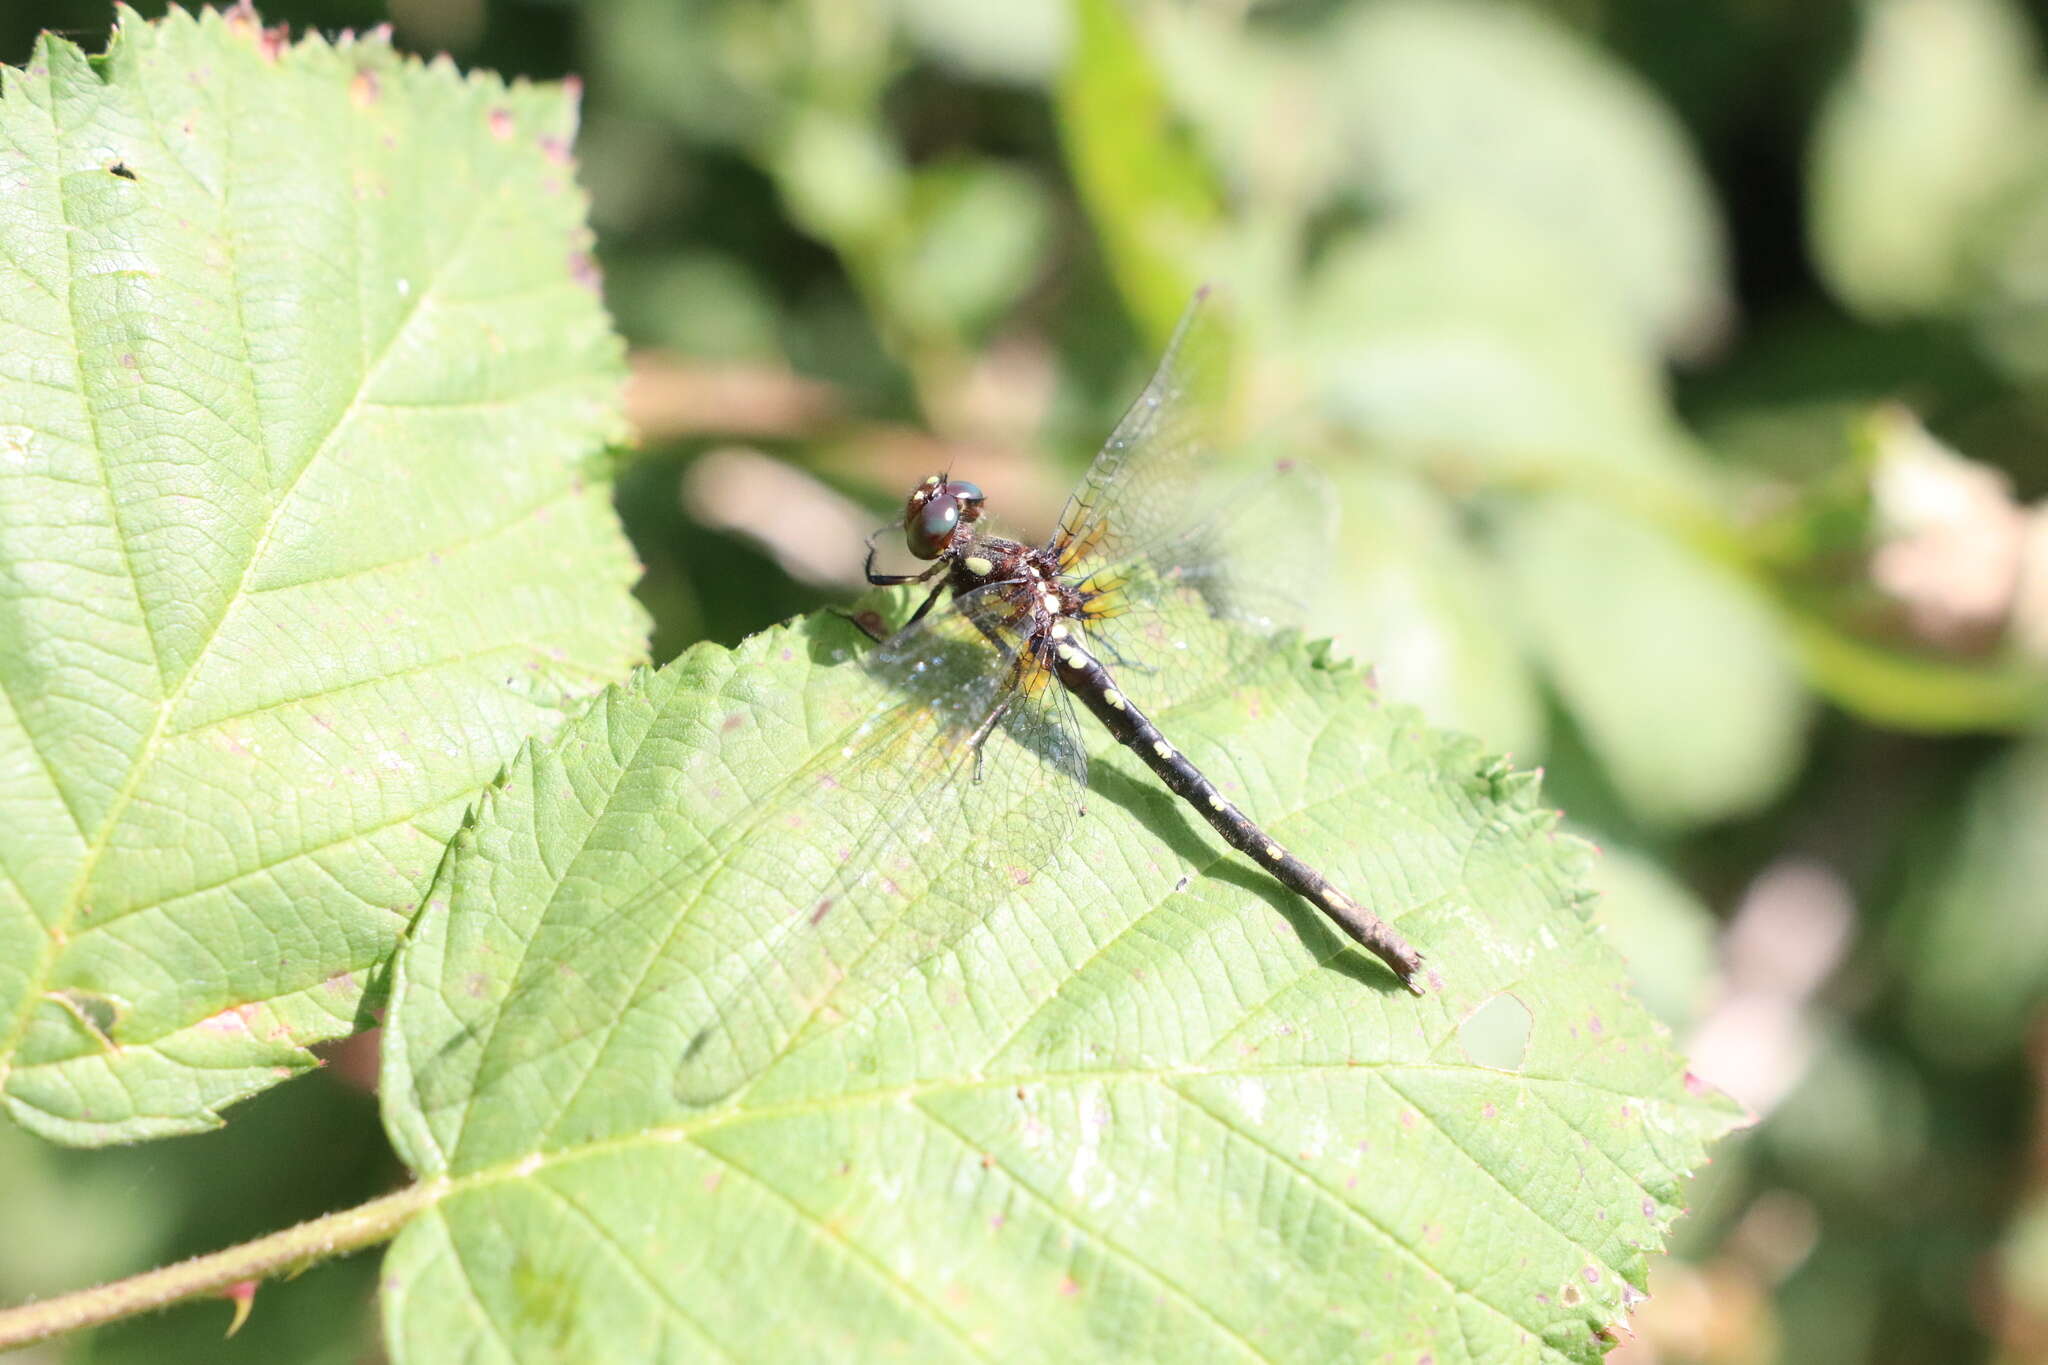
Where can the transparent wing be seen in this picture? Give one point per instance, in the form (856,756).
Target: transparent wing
(1162,514)
(1144,483)
(1257,558)
(973,660)
(1256,553)
(962,782)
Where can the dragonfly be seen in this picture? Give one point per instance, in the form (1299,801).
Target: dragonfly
(1010,635)
(967,769)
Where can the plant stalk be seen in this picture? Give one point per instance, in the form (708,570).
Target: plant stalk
(293,1249)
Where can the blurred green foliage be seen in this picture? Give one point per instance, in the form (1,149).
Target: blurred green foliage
(1589,310)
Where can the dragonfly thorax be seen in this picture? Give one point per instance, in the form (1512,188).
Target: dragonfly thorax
(1031,576)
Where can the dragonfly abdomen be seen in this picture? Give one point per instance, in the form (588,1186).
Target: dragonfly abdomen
(1088,679)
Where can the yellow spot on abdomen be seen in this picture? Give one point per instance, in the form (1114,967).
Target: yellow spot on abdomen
(1272,852)
(1114,698)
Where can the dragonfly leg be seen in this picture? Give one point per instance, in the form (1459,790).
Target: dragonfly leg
(867,622)
(981,733)
(870,623)
(1109,651)
(890,580)
(988,724)
(931,598)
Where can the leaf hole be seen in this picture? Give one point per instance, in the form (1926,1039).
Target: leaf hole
(1496,1035)
(96,1013)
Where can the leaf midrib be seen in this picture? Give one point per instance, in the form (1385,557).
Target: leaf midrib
(524,1168)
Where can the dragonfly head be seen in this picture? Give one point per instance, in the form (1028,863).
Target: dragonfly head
(936,512)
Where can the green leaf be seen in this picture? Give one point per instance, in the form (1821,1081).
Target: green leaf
(1144,1105)
(1974,955)
(1493,107)
(1154,202)
(975,233)
(1020,41)
(1919,136)
(1445,337)
(1415,599)
(1676,669)
(302,370)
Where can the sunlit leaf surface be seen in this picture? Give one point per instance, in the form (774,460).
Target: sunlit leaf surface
(302,370)
(1143,1105)
(1494,106)
(1413,596)
(1928,125)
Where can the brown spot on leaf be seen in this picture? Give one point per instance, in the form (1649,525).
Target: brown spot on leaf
(234,1019)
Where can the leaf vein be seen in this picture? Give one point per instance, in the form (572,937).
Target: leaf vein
(649,1282)
(855,1254)
(1070,1216)
(89,863)
(1360,1215)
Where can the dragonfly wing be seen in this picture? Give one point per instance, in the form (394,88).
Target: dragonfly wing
(1258,560)
(995,763)
(958,785)
(1157,515)
(1144,482)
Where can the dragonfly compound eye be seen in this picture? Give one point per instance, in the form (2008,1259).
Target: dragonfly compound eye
(929,523)
(936,511)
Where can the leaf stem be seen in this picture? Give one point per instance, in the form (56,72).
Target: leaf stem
(293,1249)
